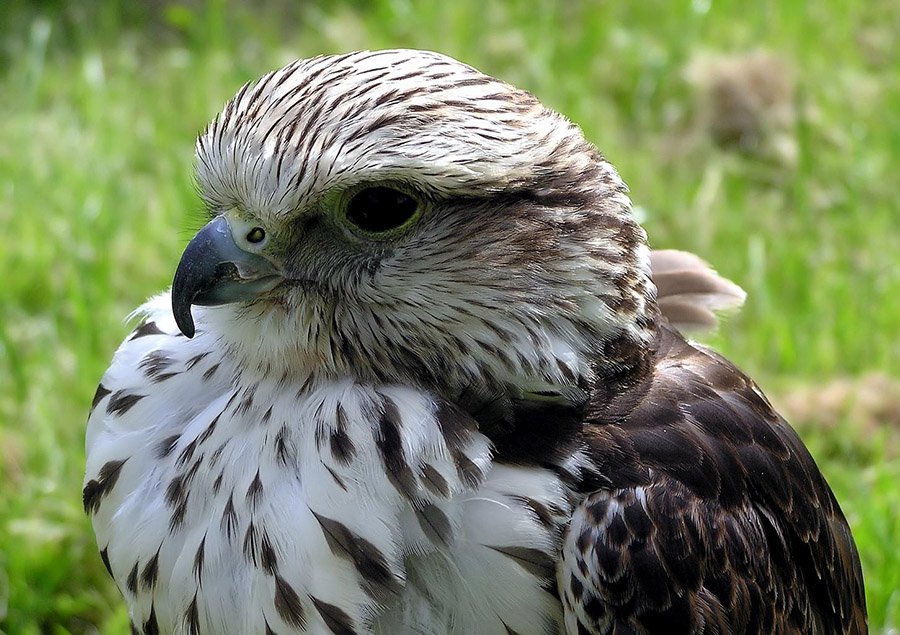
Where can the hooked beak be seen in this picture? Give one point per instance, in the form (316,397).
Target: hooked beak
(214,270)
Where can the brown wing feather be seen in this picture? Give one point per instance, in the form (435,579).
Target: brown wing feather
(713,517)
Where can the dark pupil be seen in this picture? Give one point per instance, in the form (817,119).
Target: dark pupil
(379,209)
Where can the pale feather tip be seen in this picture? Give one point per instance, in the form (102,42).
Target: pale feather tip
(690,293)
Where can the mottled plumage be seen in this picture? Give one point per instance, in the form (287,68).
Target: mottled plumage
(416,375)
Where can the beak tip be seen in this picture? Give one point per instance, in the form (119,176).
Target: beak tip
(208,274)
(183,317)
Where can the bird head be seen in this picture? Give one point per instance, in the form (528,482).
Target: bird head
(398,215)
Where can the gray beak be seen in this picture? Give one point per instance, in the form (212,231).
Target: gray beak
(214,270)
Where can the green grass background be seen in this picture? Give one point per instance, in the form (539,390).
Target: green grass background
(100,104)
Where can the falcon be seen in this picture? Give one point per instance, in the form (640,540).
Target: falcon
(415,376)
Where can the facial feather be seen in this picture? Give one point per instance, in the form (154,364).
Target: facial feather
(519,210)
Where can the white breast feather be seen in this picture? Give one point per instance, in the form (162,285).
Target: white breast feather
(255,456)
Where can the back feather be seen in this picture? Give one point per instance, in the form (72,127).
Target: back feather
(689,292)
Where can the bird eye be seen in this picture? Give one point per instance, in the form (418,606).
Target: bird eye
(381,209)
(256,235)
